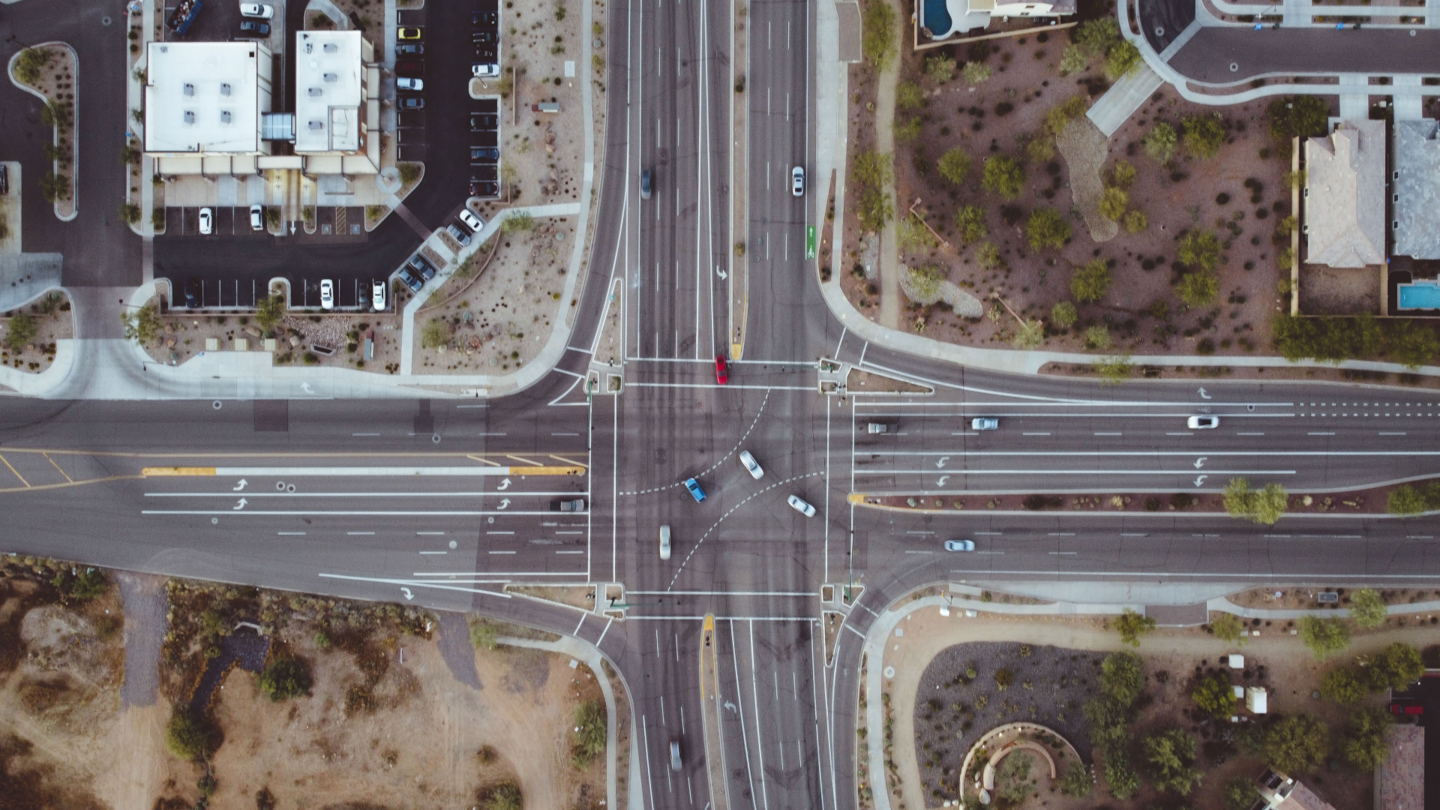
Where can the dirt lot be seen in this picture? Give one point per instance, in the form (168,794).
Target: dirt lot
(64,741)
(51,321)
(999,117)
(1172,659)
(385,723)
(497,311)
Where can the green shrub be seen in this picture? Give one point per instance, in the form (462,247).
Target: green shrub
(285,678)
(1003,176)
(1091,281)
(877,37)
(590,730)
(1324,637)
(1295,744)
(1046,229)
(188,736)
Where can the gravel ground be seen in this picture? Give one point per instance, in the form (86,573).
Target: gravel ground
(456,650)
(952,710)
(145,625)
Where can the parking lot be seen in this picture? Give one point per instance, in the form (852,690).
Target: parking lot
(219,21)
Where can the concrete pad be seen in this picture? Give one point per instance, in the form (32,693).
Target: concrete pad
(1354,105)
(849,18)
(1407,107)
(25,275)
(1124,98)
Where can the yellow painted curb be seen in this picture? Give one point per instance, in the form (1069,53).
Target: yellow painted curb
(153,471)
(856,497)
(547,470)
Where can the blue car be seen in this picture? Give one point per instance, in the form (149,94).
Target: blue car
(411,280)
(695,490)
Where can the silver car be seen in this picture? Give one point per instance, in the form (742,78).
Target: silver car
(1202,422)
(751,465)
(664,542)
(801,505)
(984,423)
(377,295)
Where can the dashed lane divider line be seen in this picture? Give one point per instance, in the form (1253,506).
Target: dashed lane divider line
(727,514)
(714,466)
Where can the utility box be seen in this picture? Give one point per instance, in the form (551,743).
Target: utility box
(552,107)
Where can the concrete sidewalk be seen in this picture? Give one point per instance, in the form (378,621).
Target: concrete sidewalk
(1124,98)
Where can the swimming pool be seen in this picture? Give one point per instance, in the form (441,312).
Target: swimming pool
(1419,295)
(937,19)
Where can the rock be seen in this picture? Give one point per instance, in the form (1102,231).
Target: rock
(253,331)
(294,340)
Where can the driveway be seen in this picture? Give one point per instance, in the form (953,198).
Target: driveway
(99,249)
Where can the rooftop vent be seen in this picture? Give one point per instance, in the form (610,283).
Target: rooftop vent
(224,116)
(314,125)
(189,89)
(189,116)
(332,77)
(309,46)
(225,89)
(331,47)
(315,91)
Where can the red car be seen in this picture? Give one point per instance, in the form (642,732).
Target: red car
(722,370)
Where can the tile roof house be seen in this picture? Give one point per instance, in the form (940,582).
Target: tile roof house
(1400,779)
(1281,792)
(1345,196)
(1416,193)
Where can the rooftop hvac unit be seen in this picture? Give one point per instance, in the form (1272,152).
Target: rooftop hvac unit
(331,47)
(189,116)
(189,89)
(315,91)
(225,89)
(332,77)
(224,116)
(314,125)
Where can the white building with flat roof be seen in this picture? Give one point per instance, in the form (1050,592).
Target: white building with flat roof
(204,102)
(208,108)
(337,102)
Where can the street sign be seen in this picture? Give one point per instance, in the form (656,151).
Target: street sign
(810,241)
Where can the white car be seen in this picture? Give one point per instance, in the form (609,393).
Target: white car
(257,218)
(259,11)
(327,294)
(664,542)
(984,423)
(959,545)
(751,465)
(797,181)
(483,70)
(799,505)
(207,221)
(377,295)
(1202,422)
(413,85)
(471,221)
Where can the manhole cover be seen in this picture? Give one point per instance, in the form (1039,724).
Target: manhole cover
(1159,30)
(889,672)
(105,20)
(1234,67)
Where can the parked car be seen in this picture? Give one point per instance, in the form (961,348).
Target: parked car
(192,294)
(255,29)
(410,34)
(664,542)
(481,153)
(722,370)
(751,465)
(258,10)
(489,18)
(959,545)
(411,280)
(422,266)
(412,103)
(801,505)
(377,295)
(484,189)
(327,294)
(257,217)
(413,85)
(471,221)
(410,67)
(695,491)
(458,233)
(797,181)
(485,70)
(1202,422)
(984,423)
(207,221)
(409,49)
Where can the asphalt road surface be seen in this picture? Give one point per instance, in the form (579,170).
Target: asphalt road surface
(443,502)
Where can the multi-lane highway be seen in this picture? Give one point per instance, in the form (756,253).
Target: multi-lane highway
(443,502)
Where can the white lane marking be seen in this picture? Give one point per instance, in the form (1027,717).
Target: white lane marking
(740,708)
(499,532)
(352,534)
(569,552)
(429,533)
(291,534)
(1109,434)
(1035,434)
(1400,433)
(649,772)
(891,473)
(1249,434)
(759,742)
(1063,553)
(1320,433)
(434,552)
(500,552)
(343,513)
(364,434)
